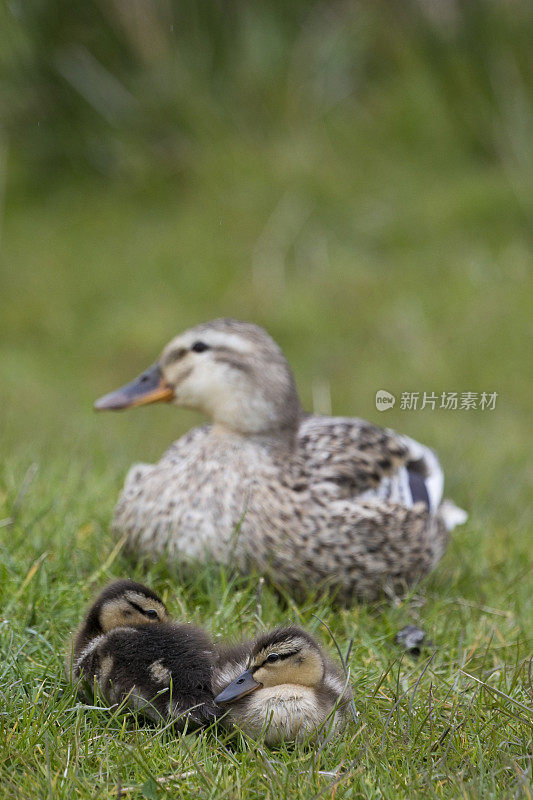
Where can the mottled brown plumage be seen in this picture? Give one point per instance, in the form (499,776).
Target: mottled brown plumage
(309,500)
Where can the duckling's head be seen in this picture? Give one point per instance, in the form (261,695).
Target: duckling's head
(231,371)
(283,656)
(124,602)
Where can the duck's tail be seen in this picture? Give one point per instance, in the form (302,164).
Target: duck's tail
(451,514)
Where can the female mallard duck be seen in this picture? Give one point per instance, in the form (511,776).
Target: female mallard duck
(309,500)
(137,657)
(282,687)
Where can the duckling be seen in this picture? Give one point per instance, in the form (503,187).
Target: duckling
(288,690)
(316,500)
(137,656)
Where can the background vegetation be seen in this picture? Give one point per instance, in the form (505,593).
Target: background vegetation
(355,176)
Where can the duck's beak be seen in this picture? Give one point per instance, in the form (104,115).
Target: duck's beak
(150,387)
(242,685)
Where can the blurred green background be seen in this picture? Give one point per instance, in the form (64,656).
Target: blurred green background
(355,176)
(358,178)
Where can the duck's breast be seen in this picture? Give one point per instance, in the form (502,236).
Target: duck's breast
(285,712)
(191,502)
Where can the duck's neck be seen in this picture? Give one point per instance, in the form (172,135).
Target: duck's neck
(281,442)
(269,417)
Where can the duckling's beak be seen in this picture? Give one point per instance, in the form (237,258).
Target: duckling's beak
(150,387)
(242,685)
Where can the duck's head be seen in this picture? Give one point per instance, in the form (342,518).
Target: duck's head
(283,656)
(124,603)
(231,371)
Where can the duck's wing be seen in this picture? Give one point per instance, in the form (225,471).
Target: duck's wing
(352,453)
(363,460)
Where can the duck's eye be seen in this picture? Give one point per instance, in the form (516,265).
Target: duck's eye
(272,657)
(199,347)
(151,613)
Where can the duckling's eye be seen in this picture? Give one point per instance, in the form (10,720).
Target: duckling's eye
(272,657)
(151,613)
(199,347)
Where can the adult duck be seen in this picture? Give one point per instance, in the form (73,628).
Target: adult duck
(308,500)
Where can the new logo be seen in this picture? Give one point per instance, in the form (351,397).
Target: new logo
(384,400)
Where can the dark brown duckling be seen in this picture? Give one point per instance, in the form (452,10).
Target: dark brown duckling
(137,656)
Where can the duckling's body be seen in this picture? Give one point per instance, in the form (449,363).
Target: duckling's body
(139,658)
(297,694)
(314,500)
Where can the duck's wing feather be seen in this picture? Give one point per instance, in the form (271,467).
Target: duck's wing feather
(351,452)
(362,459)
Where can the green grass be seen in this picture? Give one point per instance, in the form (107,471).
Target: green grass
(383,236)
(426,728)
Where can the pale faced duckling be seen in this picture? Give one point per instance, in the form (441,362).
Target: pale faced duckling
(288,691)
(317,500)
(128,646)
